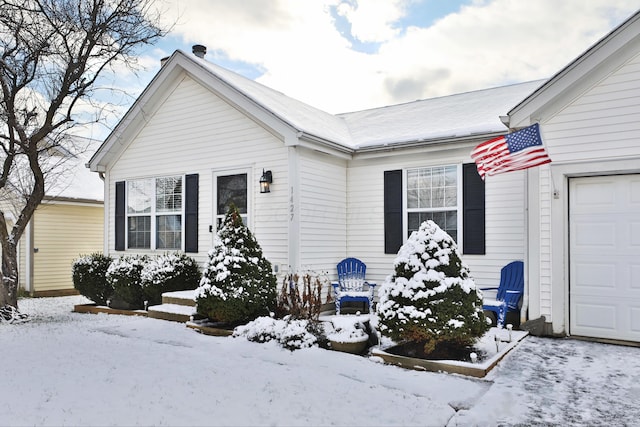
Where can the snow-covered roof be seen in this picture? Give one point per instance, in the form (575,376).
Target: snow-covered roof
(76,181)
(458,116)
(453,116)
(297,114)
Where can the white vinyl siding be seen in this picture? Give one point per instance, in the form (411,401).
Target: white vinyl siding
(596,133)
(505,214)
(604,117)
(323,211)
(195,131)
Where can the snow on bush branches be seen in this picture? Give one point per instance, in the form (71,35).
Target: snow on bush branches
(430,298)
(237,284)
(127,282)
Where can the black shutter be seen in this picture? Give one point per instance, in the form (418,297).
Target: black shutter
(392,211)
(191,213)
(473,199)
(120,217)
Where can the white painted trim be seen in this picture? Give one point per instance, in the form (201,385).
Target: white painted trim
(459,207)
(532,247)
(560,229)
(294,209)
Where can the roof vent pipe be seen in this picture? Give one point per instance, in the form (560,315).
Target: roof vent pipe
(199,50)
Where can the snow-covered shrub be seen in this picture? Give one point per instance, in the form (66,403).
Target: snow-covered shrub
(89,277)
(124,274)
(290,333)
(237,283)
(347,329)
(300,295)
(430,298)
(169,272)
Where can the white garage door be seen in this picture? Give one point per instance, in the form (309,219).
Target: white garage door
(604,290)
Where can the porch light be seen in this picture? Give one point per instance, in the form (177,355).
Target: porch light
(265,180)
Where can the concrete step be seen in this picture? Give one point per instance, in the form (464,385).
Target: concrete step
(172,312)
(186,298)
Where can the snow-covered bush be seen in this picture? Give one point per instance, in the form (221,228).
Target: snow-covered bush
(124,274)
(89,277)
(290,333)
(237,283)
(430,298)
(347,329)
(169,272)
(300,295)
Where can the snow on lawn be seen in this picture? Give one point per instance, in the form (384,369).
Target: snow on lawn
(69,368)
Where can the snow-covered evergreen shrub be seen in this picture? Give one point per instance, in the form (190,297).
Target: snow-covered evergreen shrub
(237,283)
(89,277)
(124,274)
(430,298)
(169,272)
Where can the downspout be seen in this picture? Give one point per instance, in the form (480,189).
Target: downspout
(105,217)
(525,296)
(506,120)
(29,253)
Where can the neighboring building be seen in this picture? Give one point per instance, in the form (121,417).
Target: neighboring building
(68,223)
(357,184)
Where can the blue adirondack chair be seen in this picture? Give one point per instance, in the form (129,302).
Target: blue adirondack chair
(509,293)
(351,284)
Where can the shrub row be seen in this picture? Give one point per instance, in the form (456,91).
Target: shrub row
(129,281)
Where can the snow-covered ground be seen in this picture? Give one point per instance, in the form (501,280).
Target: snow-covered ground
(65,368)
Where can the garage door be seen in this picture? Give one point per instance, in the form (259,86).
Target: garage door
(604,257)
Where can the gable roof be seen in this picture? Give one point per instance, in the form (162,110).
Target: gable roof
(451,116)
(597,61)
(420,122)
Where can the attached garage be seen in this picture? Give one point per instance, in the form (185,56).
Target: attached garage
(604,257)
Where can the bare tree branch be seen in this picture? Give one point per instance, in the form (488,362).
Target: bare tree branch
(52,53)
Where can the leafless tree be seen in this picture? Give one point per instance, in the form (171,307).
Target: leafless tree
(52,53)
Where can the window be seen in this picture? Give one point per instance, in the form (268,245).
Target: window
(452,196)
(231,189)
(154,213)
(432,193)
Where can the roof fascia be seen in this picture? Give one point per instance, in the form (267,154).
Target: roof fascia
(435,143)
(323,145)
(595,63)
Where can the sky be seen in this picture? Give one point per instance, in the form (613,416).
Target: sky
(351,55)
(79,369)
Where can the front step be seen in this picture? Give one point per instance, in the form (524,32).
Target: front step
(187,298)
(177,306)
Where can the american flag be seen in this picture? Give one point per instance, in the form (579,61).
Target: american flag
(514,151)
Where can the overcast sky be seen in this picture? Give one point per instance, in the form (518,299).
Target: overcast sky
(347,55)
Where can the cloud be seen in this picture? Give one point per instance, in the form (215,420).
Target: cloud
(298,49)
(373,20)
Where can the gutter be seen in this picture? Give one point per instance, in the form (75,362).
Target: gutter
(418,143)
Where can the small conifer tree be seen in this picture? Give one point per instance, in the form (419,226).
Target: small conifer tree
(430,298)
(238,284)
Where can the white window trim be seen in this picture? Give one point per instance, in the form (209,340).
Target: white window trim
(406,210)
(154,215)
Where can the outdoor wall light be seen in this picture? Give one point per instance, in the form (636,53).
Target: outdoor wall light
(265,180)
